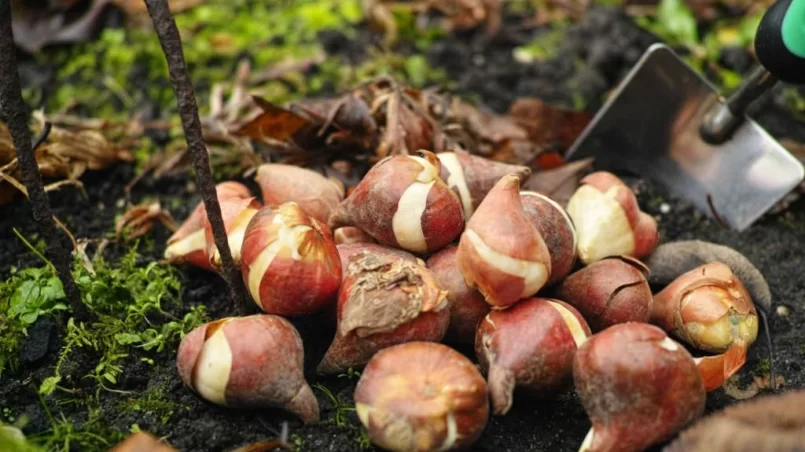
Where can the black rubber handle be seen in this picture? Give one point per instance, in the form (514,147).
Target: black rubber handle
(780,41)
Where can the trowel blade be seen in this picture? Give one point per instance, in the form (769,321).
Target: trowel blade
(650,126)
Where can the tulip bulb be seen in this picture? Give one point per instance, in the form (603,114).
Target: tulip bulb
(422,396)
(248,362)
(638,386)
(403,203)
(237,214)
(608,220)
(467,306)
(290,263)
(530,346)
(348,235)
(317,195)
(472,177)
(189,243)
(556,228)
(610,291)
(384,301)
(710,309)
(501,253)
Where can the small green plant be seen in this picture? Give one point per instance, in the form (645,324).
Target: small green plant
(152,401)
(342,409)
(763,366)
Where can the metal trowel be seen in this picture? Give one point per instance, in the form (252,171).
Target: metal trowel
(667,123)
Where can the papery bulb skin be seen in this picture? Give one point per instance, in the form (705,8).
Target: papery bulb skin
(638,386)
(710,309)
(346,251)
(556,228)
(422,396)
(471,177)
(189,243)
(501,253)
(384,301)
(608,220)
(530,346)
(291,265)
(467,305)
(402,202)
(609,291)
(236,213)
(348,235)
(248,362)
(317,195)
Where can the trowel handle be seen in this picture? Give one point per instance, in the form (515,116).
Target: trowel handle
(780,41)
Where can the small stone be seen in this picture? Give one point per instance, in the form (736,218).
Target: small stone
(665,208)
(783,311)
(478,59)
(41,335)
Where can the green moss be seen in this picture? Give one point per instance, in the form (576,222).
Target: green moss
(151,402)
(763,366)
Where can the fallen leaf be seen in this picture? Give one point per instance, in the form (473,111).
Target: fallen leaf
(547,125)
(275,123)
(559,183)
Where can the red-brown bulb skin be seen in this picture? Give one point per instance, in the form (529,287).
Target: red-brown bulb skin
(467,306)
(304,274)
(638,387)
(501,224)
(348,235)
(399,182)
(374,313)
(610,291)
(529,345)
(266,364)
(556,228)
(197,221)
(409,394)
(317,195)
(471,177)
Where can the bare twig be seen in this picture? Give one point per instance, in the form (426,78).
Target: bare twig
(188,110)
(16,112)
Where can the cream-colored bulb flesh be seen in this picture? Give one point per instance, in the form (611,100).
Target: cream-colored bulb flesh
(601,224)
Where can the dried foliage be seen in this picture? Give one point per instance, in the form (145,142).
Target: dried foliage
(383,117)
(68,152)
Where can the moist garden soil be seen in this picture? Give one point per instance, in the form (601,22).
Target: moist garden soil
(592,57)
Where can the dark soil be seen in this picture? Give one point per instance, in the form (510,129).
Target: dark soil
(607,44)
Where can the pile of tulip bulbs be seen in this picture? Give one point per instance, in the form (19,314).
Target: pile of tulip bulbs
(446,248)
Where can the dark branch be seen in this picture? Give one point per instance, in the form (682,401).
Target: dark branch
(188,110)
(16,113)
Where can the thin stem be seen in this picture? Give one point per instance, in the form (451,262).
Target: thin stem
(16,113)
(188,110)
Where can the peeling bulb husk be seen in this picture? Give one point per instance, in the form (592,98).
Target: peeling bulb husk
(384,301)
(608,220)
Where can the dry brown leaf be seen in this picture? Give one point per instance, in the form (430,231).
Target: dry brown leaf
(275,123)
(548,125)
(559,183)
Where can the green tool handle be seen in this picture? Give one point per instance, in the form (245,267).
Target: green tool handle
(780,41)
